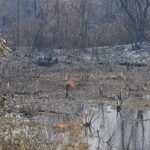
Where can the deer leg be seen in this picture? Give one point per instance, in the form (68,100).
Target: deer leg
(74,92)
(67,88)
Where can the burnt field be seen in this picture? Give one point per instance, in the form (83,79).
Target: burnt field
(42,88)
(34,104)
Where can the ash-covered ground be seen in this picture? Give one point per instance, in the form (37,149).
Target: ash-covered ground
(34,81)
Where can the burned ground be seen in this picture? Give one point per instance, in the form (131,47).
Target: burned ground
(42,88)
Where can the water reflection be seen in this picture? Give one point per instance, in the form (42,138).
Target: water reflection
(108,129)
(122,131)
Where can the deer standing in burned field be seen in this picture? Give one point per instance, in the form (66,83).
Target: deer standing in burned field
(70,86)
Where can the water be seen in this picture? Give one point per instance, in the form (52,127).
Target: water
(127,130)
(121,131)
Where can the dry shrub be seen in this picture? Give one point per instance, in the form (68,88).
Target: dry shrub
(147,34)
(17,136)
(76,142)
(63,127)
(110,34)
(118,33)
(30,136)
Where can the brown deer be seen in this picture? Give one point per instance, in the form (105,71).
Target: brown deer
(70,86)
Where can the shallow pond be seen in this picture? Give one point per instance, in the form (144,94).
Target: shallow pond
(127,130)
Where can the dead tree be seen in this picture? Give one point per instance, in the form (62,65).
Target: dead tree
(135,19)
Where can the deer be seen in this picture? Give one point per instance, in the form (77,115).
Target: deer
(70,85)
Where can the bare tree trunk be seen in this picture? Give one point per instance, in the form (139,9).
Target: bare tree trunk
(57,26)
(35,9)
(18,23)
(83,30)
(138,17)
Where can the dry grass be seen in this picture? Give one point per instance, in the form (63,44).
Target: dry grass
(30,136)
(20,135)
(76,141)
(42,89)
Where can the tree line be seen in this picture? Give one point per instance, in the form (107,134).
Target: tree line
(75,23)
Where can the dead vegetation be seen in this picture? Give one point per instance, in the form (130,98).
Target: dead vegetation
(29,90)
(43,89)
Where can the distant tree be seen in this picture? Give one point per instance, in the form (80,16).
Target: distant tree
(83,22)
(136,12)
(35,8)
(56,28)
(18,23)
